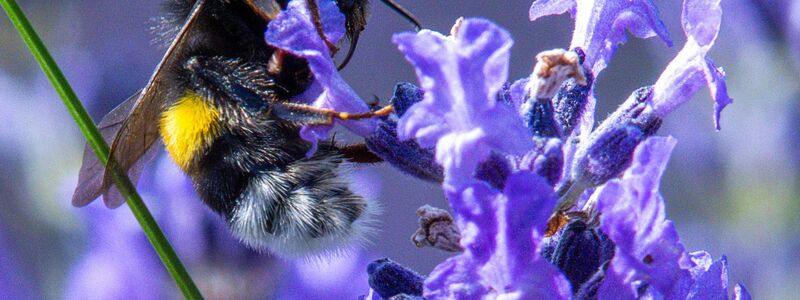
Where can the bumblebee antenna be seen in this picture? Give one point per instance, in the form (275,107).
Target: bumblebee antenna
(350,51)
(402,11)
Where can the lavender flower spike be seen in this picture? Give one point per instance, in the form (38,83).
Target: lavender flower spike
(459,114)
(691,68)
(600,24)
(294,32)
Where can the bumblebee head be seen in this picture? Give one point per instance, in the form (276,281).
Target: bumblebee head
(233,83)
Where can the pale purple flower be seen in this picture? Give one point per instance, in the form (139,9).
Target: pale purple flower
(691,69)
(294,32)
(459,114)
(649,256)
(501,234)
(600,25)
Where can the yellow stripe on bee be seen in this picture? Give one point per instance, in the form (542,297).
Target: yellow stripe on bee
(188,127)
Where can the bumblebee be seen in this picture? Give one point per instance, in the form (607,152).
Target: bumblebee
(219,101)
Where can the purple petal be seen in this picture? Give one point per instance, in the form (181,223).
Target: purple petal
(472,209)
(461,77)
(524,215)
(740,293)
(600,25)
(541,8)
(501,234)
(691,69)
(712,283)
(294,32)
(633,215)
(455,278)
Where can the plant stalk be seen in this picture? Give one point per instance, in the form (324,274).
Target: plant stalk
(95,140)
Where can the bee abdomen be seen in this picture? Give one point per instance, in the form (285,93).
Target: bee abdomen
(306,208)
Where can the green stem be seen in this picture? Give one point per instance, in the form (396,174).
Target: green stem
(95,140)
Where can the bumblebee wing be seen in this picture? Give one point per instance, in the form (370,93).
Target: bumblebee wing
(90,178)
(267,9)
(134,127)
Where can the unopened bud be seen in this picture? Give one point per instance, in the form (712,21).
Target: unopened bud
(407,156)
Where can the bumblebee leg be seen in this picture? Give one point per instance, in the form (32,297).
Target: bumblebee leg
(309,115)
(313,8)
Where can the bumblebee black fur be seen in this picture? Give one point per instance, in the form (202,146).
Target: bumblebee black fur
(251,166)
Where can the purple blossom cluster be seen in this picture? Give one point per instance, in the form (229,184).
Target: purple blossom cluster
(547,205)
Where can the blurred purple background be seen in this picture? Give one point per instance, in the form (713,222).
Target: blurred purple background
(732,192)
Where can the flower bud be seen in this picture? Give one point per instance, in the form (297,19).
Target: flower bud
(388,279)
(580,252)
(539,116)
(571,99)
(407,156)
(611,146)
(609,154)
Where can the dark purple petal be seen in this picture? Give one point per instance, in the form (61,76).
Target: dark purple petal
(494,170)
(633,215)
(600,25)
(691,69)
(459,114)
(294,32)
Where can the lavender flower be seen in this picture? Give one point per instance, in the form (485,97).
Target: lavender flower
(691,68)
(459,114)
(600,25)
(619,245)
